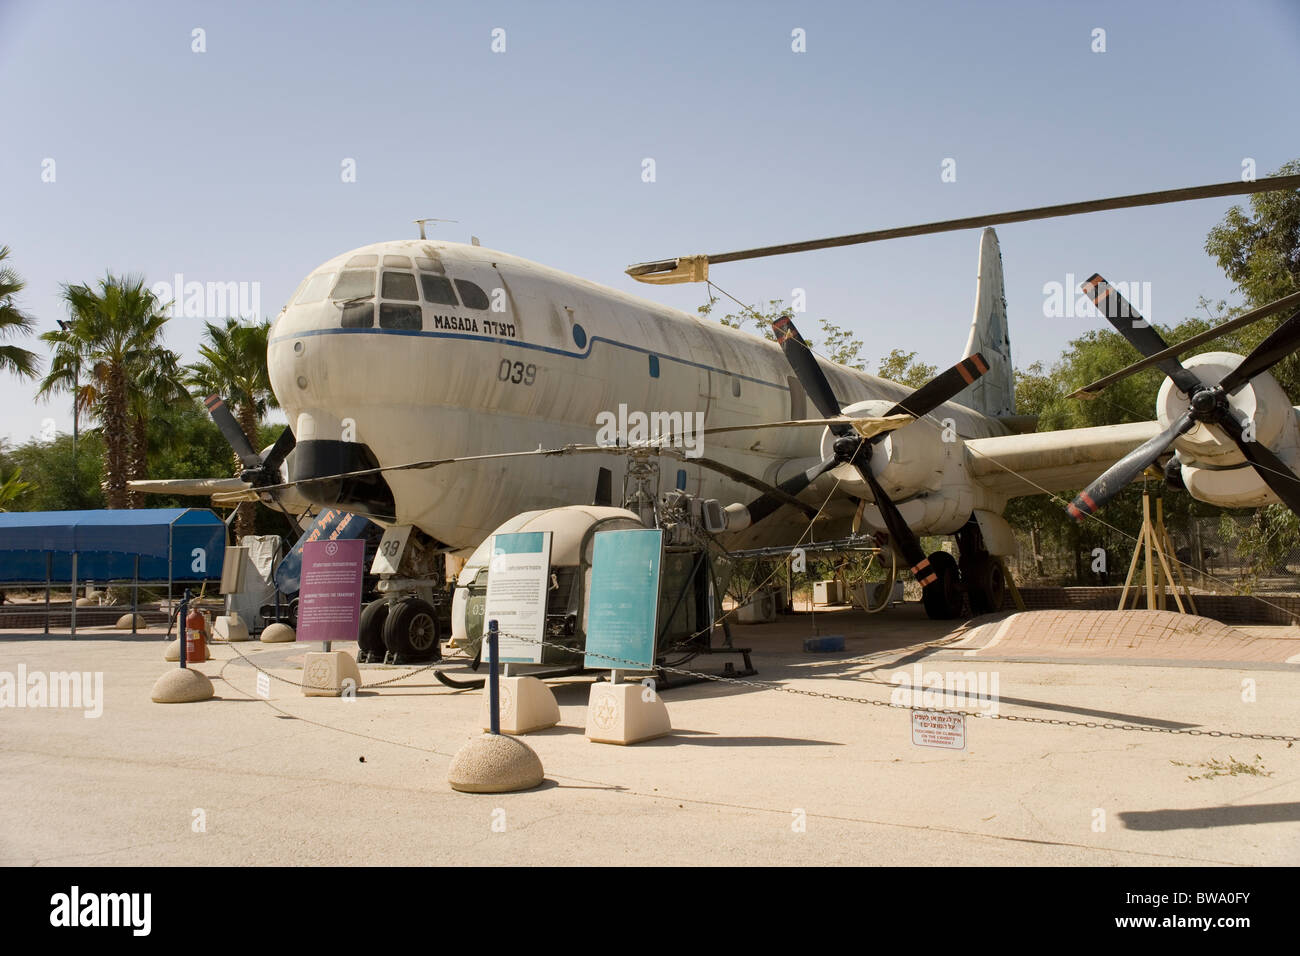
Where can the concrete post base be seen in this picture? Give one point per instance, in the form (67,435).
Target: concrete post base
(495,763)
(330,674)
(173,653)
(621,714)
(124,622)
(526,705)
(230,628)
(181,685)
(278,633)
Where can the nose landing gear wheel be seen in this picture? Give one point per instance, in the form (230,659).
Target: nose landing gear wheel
(411,632)
(370,634)
(944,598)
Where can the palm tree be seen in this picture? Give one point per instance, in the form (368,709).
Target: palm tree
(158,381)
(13,320)
(234,366)
(115,332)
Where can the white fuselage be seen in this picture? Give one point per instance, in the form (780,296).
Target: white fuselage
(538,366)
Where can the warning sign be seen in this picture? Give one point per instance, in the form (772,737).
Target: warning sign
(946,731)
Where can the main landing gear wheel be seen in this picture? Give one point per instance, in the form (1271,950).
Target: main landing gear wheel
(944,598)
(411,632)
(986,585)
(370,633)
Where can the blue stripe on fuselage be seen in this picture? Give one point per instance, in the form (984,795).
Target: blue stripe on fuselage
(591,342)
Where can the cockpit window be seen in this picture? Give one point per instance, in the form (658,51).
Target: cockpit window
(354,285)
(400,286)
(471,295)
(395,316)
(358,315)
(356,262)
(438,290)
(315,288)
(401,262)
(429,265)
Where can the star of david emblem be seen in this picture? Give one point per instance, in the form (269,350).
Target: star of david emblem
(604,711)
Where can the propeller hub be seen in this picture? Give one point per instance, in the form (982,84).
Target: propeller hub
(1208,404)
(847,446)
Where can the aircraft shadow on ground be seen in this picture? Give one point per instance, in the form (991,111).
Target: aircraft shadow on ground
(1202,818)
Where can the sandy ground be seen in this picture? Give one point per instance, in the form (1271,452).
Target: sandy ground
(750,775)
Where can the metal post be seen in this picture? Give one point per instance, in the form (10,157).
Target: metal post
(74,593)
(180,621)
(135,593)
(493,690)
(49,572)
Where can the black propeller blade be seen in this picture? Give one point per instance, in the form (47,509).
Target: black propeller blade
(257,470)
(809,373)
(1130,324)
(225,421)
(1275,472)
(1209,404)
(1279,344)
(765,504)
(941,388)
(1118,475)
(278,453)
(851,447)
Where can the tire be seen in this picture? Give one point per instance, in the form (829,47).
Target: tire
(944,598)
(370,633)
(986,585)
(411,632)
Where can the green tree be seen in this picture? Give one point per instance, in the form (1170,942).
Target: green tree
(14,321)
(115,331)
(233,364)
(903,368)
(60,480)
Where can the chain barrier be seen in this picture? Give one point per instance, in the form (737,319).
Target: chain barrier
(843,698)
(383,683)
(768,685)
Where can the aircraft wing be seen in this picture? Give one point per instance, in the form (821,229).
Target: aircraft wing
(1067,460)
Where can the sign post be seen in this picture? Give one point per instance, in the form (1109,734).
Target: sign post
(329,609)
(519,578)
(622,628)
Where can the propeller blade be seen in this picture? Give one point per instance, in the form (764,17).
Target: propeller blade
(764,505)
(1118,475)
(941,388)
(1093,389)
(1130,324)
(225,421)
(1280,343)
(279,452)
(901,534)
(1275,472)
(809,373)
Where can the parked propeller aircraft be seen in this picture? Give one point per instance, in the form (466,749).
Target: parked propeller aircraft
(413,372)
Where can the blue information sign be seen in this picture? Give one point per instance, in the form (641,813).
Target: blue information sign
(623,613)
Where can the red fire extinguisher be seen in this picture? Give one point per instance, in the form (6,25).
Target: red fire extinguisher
(196,632)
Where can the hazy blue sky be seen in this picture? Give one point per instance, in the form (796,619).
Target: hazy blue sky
(225,165)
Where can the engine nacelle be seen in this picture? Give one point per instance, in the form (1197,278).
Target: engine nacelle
(1261,401)
(1213,468)
(907,461)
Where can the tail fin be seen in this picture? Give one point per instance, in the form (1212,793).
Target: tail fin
(994,394)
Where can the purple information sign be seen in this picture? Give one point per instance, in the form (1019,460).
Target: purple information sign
(329,598)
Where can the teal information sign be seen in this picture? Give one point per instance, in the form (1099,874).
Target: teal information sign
(623,613)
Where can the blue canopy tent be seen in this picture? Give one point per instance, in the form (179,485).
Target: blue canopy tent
(149,545)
